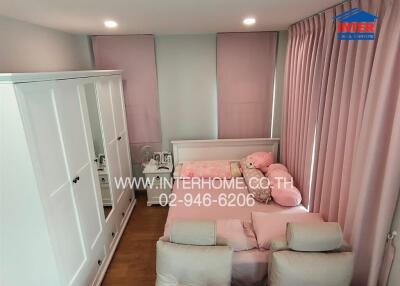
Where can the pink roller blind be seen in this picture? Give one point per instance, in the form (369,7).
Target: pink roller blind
(245,78)
(135,55)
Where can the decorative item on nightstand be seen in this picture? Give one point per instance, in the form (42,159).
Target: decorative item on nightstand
(163,158)
(158,181)
(146,153)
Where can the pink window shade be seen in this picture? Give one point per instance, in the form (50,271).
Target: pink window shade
(245,78)
(135,55)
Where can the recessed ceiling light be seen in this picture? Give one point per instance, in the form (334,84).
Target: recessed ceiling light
(249,21)
(110,24)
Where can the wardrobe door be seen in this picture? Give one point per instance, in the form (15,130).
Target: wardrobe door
(48,151)
(123,196)
(117,98)
(115,170)
(124,155)
(70,118)
(80,163)
(107,118)
(120,126)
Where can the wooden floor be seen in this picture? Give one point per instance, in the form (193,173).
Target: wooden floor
(134,261)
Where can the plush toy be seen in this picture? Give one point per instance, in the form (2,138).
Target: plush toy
(260,160)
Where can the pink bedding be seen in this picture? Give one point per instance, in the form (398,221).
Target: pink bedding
(215,211)
(236,233)
(249,266)
(206,169)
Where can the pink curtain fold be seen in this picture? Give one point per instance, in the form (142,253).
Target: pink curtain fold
(341,137)
(135,55)
(375,180)
(245,78)
(302,91)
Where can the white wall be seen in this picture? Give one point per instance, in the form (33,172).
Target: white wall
(26,47)
(186,71)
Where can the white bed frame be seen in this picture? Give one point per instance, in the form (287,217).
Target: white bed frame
(222,149)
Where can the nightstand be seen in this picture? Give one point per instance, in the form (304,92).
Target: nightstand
(158,182)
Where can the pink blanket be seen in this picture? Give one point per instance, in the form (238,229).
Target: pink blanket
(216,212)
(206,169)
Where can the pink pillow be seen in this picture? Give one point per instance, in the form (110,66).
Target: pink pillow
(276,166)
(280,179)
(257,185)
(260,160)
(269,226)
(206,169)
(237,234)
(278,172)
(287,197)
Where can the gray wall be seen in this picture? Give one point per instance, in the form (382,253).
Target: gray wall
(26,47)
(186,71)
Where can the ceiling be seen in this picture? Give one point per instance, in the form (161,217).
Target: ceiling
(162,16)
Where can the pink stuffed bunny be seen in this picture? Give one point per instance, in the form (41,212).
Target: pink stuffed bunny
(260,160)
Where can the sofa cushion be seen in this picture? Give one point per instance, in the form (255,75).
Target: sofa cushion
(269,226)
(315,237)
(179,264)
(194,232)
(310,269)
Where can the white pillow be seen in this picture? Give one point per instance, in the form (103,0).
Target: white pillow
(269,226)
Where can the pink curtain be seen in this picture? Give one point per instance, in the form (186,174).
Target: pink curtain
(348,107)
(135,55)
(245,78)
(308,46)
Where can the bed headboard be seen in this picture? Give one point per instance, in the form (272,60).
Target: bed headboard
(222,149)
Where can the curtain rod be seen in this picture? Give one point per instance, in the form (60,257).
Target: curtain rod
(320,12)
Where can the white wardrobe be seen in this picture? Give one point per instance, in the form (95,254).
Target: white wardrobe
(53,229)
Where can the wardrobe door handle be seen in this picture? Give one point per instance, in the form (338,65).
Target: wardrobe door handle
(99,262)
(119,138)
(75,180)
(123,214)
(113,234)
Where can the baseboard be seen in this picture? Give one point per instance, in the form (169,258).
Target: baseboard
(102,273)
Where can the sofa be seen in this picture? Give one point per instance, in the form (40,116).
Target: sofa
(191,256)
(311,254)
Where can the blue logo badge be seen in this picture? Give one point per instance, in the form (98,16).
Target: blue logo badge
(355,24)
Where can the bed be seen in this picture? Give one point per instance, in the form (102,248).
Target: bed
(249,266)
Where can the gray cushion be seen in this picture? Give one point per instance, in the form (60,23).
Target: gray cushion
(193,265)
(279,244)
(193,232)
(325,236)
(289,268)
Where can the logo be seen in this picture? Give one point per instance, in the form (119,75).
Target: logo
(355,24)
